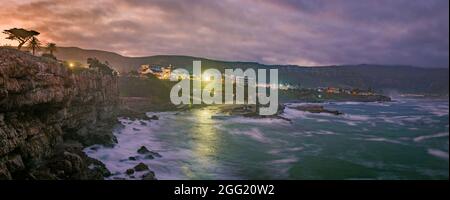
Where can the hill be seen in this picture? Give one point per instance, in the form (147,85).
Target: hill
(385,78)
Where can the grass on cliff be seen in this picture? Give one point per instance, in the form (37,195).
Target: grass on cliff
(148,87)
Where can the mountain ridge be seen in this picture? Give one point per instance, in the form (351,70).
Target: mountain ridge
(64,54)
(382,78)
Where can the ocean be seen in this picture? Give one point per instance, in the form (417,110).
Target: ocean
(402,139)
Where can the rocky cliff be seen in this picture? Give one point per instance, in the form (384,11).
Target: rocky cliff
(48,113)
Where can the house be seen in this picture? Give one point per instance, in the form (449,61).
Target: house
(332,90)
(158,71)
(362,92)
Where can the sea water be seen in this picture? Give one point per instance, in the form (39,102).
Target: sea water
(403,139)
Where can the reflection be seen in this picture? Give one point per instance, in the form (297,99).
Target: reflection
(206,135)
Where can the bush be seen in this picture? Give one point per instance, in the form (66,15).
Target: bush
(101,67)
(47,55)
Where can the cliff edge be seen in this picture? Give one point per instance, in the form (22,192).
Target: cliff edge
(48,114)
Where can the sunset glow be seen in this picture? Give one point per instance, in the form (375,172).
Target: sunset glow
(300,32)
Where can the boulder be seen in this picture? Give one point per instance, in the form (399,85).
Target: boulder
(149,154)
(133,158)
(149,176)
(141,167)
(143,150)
(129,171)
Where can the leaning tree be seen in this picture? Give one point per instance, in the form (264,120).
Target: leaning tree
(21,35)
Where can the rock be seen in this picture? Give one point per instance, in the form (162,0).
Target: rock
(149,176)
(143,150)
(149,154)
(44,105)
(94,148)
(154,117)
(4,173)
(97,170)
(132,158)
(155,154)
(129,171)
(316,109)
(141,167)
(15,163)
(136,129)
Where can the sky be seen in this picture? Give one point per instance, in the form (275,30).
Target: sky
(299,32)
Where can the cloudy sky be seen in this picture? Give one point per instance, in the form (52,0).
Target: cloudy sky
(303,32)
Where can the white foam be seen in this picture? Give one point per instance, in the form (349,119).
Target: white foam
(435,109)
(250,120)
(292,113)
(425,137)
(293,149)
(438,153)
(348,103)
(321,132)
(380,139)
(354,117)
(285,161)
(253,133)
(350,123)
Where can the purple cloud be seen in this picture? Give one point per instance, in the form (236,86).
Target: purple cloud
(304,32)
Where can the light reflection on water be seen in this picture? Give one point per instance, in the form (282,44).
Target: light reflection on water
(398,140)
(206,139)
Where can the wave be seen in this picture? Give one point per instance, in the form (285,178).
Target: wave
(285,161)
(286,150)
(425,137)
(437,110)
(250,120)
(380,139)
(321,132)
(253,133)
(355,117)
(438,153)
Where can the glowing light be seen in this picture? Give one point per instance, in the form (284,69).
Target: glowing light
(206,78)
(206,135)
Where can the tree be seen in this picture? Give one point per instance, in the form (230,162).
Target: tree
(51,47)
(34,44)
(21,35)
(95,64)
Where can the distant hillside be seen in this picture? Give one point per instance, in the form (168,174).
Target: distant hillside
(402,79)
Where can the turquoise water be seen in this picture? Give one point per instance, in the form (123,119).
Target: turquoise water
(404,139)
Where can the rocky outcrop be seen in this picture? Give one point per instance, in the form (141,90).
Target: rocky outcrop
(43,107)
(317,109)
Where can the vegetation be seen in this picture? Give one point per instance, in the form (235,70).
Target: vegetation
(51,47)
(47,55)
(145,87)
(21,35)
(74,66)
(24,36)
(34,44)
(100,67)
